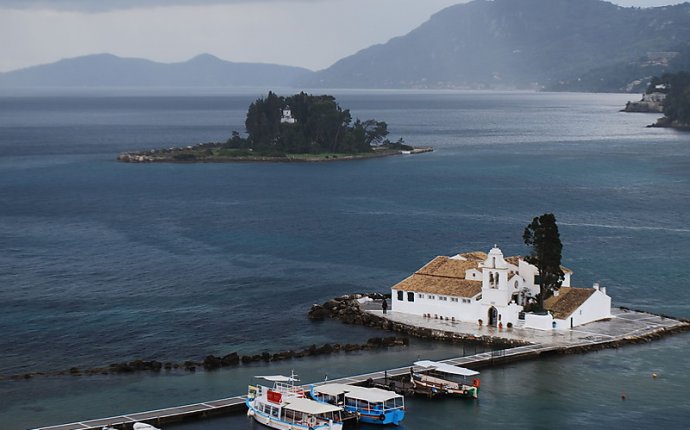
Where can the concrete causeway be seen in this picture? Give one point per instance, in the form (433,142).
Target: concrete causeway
(625,326)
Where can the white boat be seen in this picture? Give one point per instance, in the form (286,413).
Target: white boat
(144,426)
(284,406)
(370,405)
(445,379)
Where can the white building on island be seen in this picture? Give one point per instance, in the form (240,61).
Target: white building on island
(286,116)
(492,288)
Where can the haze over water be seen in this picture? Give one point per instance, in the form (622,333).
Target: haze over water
(104,262)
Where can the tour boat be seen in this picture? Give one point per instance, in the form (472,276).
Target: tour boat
(285,407)
(444,379)
(144,426)
(369,405)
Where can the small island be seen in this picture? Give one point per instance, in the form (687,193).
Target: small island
(301,127)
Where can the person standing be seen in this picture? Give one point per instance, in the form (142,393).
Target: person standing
(384,305)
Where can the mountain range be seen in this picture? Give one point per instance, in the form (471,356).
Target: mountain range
(581,45)
(106,70)
(552,44)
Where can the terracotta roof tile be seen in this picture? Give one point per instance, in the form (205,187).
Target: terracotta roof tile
(475,256)
(420,283)
(447,267)
(567,301)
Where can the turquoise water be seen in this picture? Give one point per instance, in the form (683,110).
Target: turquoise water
(104,262)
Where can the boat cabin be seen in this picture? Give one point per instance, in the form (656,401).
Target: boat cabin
(370,405)
(284,406)
(436,378)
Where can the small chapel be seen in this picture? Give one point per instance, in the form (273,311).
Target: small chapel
(494,290)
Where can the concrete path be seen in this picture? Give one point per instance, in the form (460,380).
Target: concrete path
(623,324)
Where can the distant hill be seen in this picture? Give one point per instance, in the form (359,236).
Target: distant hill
(105,70)
(587,45)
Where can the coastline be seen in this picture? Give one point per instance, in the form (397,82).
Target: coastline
(664,122)
(204,153)
(626,326)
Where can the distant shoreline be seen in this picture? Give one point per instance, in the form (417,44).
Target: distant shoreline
(211,153)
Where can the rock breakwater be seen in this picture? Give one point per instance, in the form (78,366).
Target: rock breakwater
(348,309)
(213,362)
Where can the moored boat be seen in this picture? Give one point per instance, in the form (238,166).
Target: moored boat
(285,407)
(144,426)
(370,405)
(445,379)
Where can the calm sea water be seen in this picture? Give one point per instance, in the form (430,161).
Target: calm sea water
(103,262)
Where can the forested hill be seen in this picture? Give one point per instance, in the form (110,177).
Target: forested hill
(105,70)
(554,44)
(677,102)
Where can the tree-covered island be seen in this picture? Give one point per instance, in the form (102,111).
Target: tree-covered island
(676,103)
(301,127)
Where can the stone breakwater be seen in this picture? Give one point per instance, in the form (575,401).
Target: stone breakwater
(212,362)
(627,327)
(348,310)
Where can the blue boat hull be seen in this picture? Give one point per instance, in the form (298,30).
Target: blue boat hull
(376,417)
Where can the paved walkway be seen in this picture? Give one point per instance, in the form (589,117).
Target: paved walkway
(622,324)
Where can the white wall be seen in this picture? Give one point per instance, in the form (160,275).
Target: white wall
(436,306)
(597,307)
(540,322)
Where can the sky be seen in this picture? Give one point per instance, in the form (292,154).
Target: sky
(307,33)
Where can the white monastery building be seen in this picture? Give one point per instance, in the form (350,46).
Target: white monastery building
(286,116)
(477,286)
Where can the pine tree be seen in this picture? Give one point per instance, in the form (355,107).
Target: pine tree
(542,235)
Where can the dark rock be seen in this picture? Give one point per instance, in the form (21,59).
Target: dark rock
(232,359)
(212,362)
(318,313)
(376,341)
(326,349)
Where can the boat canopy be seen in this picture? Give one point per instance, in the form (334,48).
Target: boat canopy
(372,395)
(310,407)
(446,368)
(278,378)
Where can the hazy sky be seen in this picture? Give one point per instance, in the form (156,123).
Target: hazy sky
(307,33)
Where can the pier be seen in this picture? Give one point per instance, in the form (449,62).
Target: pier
(236,404)
(625,327)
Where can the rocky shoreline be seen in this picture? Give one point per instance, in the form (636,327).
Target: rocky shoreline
(651,102)
(347,309)
(213,152)
(664,122)
(212,362)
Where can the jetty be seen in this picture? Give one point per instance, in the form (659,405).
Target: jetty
(626,326)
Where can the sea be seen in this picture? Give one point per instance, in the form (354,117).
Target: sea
(103,262)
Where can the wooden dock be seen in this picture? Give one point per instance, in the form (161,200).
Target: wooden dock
(159,416)
(236,404)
